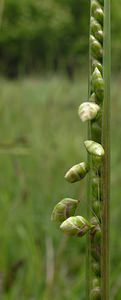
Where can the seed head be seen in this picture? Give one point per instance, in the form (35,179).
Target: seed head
(99,35)
(97,64)
(77,172)
(94,148)
(64,209)
(96,268)
(95,26)
(88,111)
(94,5)
(96,48)
(96,208)
(76,226)
(98,84)
(99,14)
(95,294)
(95,282)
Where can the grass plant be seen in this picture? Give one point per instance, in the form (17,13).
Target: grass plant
(25,225)
(97,112)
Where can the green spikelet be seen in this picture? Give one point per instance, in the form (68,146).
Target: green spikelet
(94,148)
(77,172)
(76,226)
(88,111)
(98,84)
(64,209)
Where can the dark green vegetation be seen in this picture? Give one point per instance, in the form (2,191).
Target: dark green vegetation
(40,136)
(37,35)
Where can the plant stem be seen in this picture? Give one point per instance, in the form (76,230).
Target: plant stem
(98,131)
(106,163)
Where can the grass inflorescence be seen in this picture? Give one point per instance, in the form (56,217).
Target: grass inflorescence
(96,112)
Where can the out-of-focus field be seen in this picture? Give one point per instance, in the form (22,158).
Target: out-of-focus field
(41,136)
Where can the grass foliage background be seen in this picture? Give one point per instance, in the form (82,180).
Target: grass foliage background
(36,260)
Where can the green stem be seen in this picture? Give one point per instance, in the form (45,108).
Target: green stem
(98,131)
(106,163)
(88,260)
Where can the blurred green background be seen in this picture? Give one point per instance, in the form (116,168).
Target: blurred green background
(43,79)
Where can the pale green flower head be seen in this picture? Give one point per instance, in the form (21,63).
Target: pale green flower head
(76,226)
(64,209)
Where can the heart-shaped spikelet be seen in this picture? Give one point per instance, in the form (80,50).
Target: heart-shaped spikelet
(77,172)
(64,209)
(88,111)
(94,148)
(76,226)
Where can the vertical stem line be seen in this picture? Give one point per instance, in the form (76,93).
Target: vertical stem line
(88,264)
(106,162)
(100,289)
